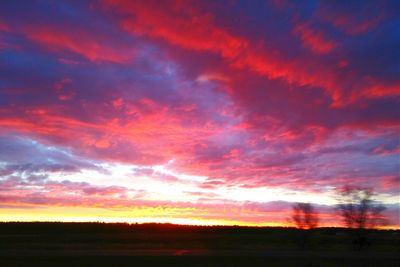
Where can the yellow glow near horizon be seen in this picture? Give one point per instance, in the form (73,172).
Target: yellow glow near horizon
(143,215)
(80,214)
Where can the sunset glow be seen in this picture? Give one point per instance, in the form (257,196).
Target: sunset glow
(196,112)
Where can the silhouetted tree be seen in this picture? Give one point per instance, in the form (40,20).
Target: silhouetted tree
(359,210)
(304,216)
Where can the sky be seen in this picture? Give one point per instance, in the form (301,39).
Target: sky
(196,112)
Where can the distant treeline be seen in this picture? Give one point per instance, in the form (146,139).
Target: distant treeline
(98,227)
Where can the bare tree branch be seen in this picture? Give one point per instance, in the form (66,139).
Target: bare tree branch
(304,216)
(358,208)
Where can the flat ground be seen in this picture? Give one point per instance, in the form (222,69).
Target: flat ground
(96,244)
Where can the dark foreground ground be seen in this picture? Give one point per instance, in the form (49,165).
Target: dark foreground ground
(96,244)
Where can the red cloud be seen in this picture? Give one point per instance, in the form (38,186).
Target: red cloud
(4,27)
(187,27)
(313,39)
(136,135)
(195,31)
(235,109)
(377,90)
(83,43)
(347,23)
(350,17)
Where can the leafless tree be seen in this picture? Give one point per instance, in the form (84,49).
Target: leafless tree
(304,216)
(359,211)
(358,208)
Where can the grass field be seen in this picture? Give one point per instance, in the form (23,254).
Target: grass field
(97,244)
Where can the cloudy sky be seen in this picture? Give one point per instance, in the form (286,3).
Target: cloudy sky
(199,112)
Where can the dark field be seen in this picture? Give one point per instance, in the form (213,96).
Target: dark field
(96,244)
